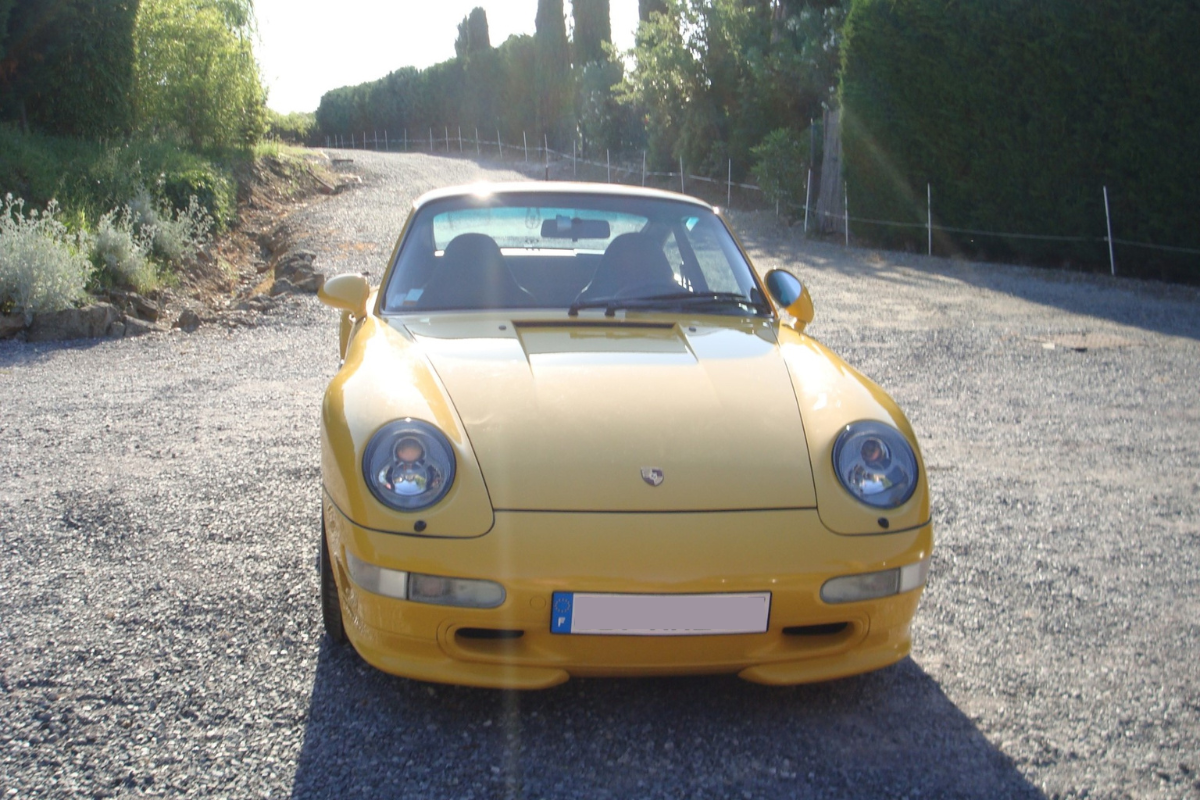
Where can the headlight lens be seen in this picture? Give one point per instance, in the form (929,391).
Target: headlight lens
(875,463)
(409,465)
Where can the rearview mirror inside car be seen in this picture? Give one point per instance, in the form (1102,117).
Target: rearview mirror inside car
(574,228)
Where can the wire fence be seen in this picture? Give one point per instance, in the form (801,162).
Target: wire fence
(453,142)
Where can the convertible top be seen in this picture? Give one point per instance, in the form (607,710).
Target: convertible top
(565,188)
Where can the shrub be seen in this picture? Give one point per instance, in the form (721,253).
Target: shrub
(43,267)
(94,178)
(179,234)
(294,128)
(780,168)
(212,188)
(121,250)
(174,234)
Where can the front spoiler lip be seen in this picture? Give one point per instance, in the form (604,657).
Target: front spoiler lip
(439,662)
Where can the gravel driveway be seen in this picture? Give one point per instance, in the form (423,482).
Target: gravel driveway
(159,629)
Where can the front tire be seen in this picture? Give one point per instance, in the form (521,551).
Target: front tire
(331,604)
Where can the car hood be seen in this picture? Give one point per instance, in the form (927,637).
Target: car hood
(589,415)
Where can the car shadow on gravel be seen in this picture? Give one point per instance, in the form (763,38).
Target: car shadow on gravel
(1164,308)
(892,733)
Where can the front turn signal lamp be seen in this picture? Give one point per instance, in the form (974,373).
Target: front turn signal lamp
(874,585)
(420,588)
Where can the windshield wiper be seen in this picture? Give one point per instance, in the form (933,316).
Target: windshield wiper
(611,304)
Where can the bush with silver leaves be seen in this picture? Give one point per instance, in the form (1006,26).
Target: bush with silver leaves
(43,267)
(179,234)
(121,249)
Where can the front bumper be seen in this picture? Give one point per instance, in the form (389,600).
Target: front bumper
(788,553)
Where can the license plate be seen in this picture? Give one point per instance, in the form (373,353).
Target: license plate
(659,614)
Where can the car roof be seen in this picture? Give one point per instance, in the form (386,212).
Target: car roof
(565,188)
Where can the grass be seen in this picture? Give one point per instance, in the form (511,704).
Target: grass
(89,179)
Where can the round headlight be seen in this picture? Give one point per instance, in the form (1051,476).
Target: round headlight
(409,465)
(875,463)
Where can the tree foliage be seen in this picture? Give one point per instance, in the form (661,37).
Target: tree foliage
(552,72)
(714,77)
(473,37)
(196,73)
(648,7)
(1018,114)
(67,67)
(710,79)
(593,28)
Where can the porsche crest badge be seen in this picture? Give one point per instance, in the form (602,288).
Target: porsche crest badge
(652,475)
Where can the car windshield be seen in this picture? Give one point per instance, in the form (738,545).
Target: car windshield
(526,250)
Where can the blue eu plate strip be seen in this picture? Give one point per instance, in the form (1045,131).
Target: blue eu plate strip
(560,612)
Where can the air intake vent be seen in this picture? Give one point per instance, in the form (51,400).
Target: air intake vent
(487,633)
(829,629)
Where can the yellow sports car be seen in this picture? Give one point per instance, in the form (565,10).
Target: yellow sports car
(575,433)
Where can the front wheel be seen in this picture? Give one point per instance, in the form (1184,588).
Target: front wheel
(331,605)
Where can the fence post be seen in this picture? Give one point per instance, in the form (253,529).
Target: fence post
(846,210)
(385,141)
(546,149)
(376,138)
(929,214)
(499,144)
(1112,261)
(525,141)
(729,185)
(643,168)
(681,189)
(807,200)
(446,131)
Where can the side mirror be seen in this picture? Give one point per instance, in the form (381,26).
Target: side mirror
(347,292)
(791,295)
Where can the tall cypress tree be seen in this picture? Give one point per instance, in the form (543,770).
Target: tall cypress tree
(552,77)
(593,27)
(473,36)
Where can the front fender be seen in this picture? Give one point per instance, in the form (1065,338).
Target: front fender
(832,394)
(384,377)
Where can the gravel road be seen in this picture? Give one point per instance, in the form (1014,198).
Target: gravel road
(159,629)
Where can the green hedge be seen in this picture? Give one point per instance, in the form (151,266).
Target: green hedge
(1018,113)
